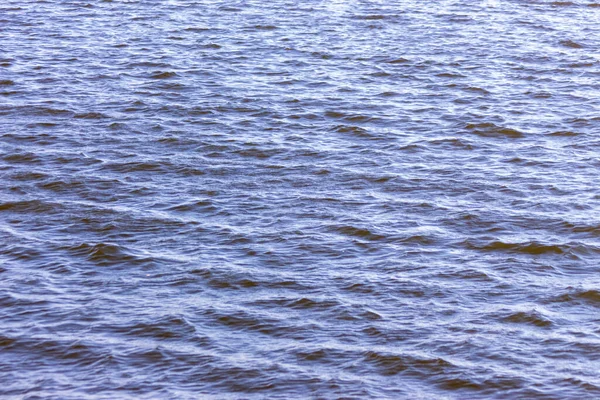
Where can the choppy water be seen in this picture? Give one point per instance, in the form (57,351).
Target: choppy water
(320,199)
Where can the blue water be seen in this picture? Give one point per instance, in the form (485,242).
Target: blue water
(321,199)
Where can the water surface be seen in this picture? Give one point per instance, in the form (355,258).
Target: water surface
(319,199)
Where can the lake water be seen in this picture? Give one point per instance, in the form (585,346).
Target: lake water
(283,199)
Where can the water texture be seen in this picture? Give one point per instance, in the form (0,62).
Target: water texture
(299,199)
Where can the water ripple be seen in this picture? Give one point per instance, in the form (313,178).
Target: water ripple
(351,199)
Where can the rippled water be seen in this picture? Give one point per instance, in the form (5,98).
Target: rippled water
(320,199)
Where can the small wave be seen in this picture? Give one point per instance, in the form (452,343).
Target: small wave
(400,60)
(540,95)
(305,303)
(389,94)
(6,341)
(533,248)
(365,288)
(334,114)
(23,158)
(571,44)
(43,111)
(469,274)
(230,9)
(578,228)
(450,75)
(322,355)
(9,93)
(228,280)
(73,352)
(162,328)
(351,129)
(90,115)
(361,233)
(392,364)
(562,4)
(197,29)
(31,206)
(476,89)
(194,206)
(42,125)
(582,64)
(7,300)
(136,166)
(593,296)
(21,253)
(64,185)
(452,142)
(579,383)
(266,325)
(163,75)
(488,129)
(108,254)
(529,318)
(30,176)
(371,17)
(148,64)
(261,154)
(579,296)
(564,133)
